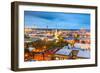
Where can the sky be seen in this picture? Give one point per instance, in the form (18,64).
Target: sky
(56,20)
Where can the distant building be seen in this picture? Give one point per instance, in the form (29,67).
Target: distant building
(26,30)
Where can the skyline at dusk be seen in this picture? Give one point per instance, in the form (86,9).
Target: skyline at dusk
(56,20)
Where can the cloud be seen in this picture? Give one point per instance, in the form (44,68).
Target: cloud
(57,20)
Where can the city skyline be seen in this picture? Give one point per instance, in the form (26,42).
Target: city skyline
(56,20)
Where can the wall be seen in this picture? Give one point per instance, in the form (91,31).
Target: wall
(5,40)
